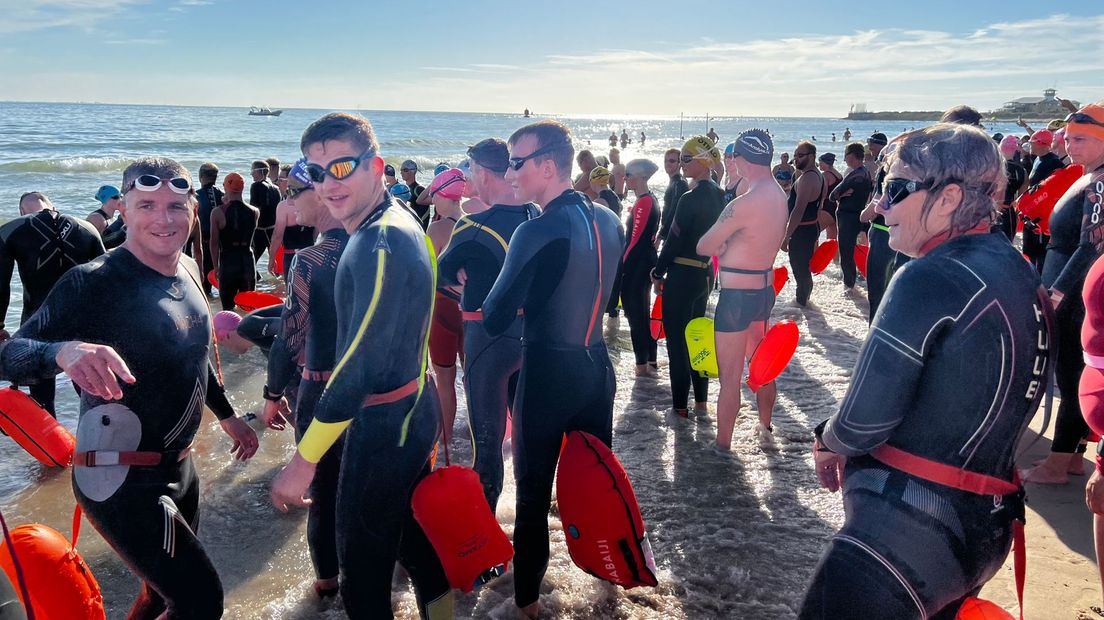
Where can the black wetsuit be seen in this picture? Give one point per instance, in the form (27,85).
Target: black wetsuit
(210,197)
(114,232)
(676,187)
(882,258)
(612,200)
(730,193)
(636,282)
(1035,242)
(1076,240)
(1015,175)
(237,265)
(688,281)
(492,363)
(10,607)
(614,204)
(260,327)
(296,238)
(383,294)
(953,378)
(803,241)
(559,271)
(151,519)
(422,211)
(266,197)
(43,246)
(308,341)
(848,210)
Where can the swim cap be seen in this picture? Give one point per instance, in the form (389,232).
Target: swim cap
(730,149)
(1056,124)
(299,174)
(701,147)
(1060,136)
(600,176)
(756,146)
(389,170)
(492,154)
(400,190)
(225,322)
(234,183)
(1009,146)
(465,167)
(1089,129)
(441,167)
(878,138)
(106,192)
(409,164)
(1043,136)
(643,168)
(449,184)
(828,158)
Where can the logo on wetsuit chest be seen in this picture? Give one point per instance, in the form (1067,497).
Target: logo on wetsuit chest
(1042,349)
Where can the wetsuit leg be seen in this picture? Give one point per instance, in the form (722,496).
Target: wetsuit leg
(151,522)
(802,245)
(1069,427)
(261,239)
(635,287)
(1034,246)
(543,412)
(684,298)
(877,268)
(237,273)
(491,362)
(321,515)
(207,264)
(848,233)
(375,524)
(44,392)
(615,295)
(10,607)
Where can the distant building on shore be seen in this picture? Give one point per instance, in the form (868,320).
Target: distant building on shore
(1046,106)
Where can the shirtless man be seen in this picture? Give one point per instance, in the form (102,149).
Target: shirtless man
(746,247)
(617,173)
(586,162)
(288,233)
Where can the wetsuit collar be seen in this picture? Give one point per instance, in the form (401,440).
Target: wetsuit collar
(946,235)
(569,196)
(377,212)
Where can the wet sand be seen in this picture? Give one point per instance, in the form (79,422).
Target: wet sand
(735,536)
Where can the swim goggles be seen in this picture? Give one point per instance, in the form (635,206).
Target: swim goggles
(438,189)
(339,168)
(517,162)
(292,192)
(897,190)
(152,182)
(1081,117)
(689,158)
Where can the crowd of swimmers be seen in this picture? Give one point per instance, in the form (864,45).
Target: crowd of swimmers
(507,265)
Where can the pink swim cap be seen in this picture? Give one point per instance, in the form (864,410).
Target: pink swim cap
(1009,146)
(225,322)
(449,184)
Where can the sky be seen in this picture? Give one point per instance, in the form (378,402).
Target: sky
(638,57)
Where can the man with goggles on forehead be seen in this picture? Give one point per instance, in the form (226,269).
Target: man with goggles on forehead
(378,394)
(43,244)
(143,387)
(952,371)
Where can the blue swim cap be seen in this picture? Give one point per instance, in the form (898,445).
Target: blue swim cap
(730,149)
(299,173)
(441,167)
(106,192)
(400,190)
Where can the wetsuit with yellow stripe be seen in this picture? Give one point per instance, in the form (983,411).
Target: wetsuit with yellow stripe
(379,395)
(478,246)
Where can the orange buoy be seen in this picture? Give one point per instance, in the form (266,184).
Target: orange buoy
(823,255)
(255,300)
(656,324)
(862,253)
(773,354)
(59,582)
(781,276)
(35,430)
(981,609)
(450,506)
(278,261)
(1039,204)
(212,278)
(601,519)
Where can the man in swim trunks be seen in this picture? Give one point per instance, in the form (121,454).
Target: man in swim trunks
(684,275)
(803,229)
(784,172)
(265,196)
(676,187)
(712,135)
(143,386)
(378,393)
(587,163)
(210,198)
(473,260)
(851,196)
(233,228)
(746,238)
(559,270)
(43,244)
(617,173)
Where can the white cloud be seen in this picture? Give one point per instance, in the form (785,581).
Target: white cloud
(32,15)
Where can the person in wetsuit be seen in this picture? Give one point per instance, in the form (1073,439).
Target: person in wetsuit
(559,271)
(1076,240)
(112,229)
(851,196)
(1017,177)
(803,230)
(233,228)
(599,184)
(683,275)
(210,198)
(473,260)
(733,180)
(677,185)
(637,262)
(265,196)
(378,393)
(44,245)
(832,178)
(924,441)
(1035,243)
(289,234)
(409,172)
(881,259)
(143,386)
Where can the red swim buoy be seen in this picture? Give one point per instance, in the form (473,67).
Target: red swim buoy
(823,255)
(278,261)
(1039,204)
(601,520)
(59,582)
(255,300)
(862,253)
(35,430)
(980,609)
(656,324)
(781,276)
(450,506)
(212,278)
(773,354)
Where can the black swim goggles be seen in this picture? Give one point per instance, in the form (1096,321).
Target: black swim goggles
(152,182)
(340,168)
(292,192)
(1082,118)
(897,190)
(517,162)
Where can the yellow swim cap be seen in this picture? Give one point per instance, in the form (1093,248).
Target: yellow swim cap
(702,148)
(600,176)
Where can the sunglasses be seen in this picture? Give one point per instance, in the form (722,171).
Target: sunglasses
(1082,118)
(151,183)
(292,192)
(339,168)
(897,190)
(517,162)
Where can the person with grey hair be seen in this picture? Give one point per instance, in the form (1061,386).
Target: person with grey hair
(954,367)
(143,387)
(638,260)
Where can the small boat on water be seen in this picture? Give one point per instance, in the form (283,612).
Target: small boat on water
(255,111)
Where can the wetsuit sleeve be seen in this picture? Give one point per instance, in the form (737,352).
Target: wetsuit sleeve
(672,247)
(7,267)
(511,289)
(1091,244)
(31,354)
(890,365)
(641,210)
(668,215)
(456,255)
(853,181)
(289,342)
(216,396)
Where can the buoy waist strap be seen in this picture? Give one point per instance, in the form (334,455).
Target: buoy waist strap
(396,394)
(106,458)
(316,375)
(477,315)
(689,262)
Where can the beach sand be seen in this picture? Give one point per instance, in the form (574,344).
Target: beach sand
(735,536)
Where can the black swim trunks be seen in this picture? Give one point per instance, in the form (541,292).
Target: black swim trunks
(739,307)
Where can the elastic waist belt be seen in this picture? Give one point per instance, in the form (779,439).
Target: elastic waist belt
(394,395)
(1094,361)
(881,227)
(946,475)
(105,458)
(808,223)
(689,262)
(752,272)
(477,315)
(316,375)
(270,227)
